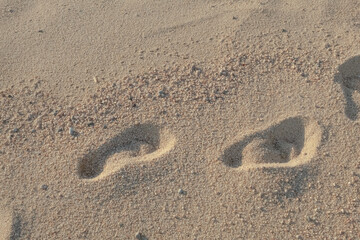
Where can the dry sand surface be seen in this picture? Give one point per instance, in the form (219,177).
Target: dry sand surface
(208,119)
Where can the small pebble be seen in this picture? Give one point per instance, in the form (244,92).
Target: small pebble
(224,73)
(162,94)
(72,132)
(140,236)
(31,117)
(319,63)
(44,187)
(90,124)
(182,192)
(195,68)
(15,130)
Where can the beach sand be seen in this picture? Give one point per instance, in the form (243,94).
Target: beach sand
(179,119)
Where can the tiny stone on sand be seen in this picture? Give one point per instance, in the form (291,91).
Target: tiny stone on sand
(72,132)
(182,192)
(140,236)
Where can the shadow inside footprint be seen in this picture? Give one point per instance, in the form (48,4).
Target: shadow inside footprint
(16,228)
(349,79)
(139,143)
(288,143)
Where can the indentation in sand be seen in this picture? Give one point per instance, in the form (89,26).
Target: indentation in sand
(140,143)
(291,142)
(10,225)
(349,78)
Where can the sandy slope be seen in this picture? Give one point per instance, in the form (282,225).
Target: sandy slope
(207,119)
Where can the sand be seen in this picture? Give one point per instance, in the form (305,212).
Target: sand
(179,119)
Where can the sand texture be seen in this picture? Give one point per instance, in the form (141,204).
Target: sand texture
(208,119)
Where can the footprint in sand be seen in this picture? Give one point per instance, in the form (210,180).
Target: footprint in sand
(289,143)
(10,226)
(349,79)
(140,143)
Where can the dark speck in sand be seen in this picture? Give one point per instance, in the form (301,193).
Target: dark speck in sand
(162,94)
(73,133)
(140,236)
